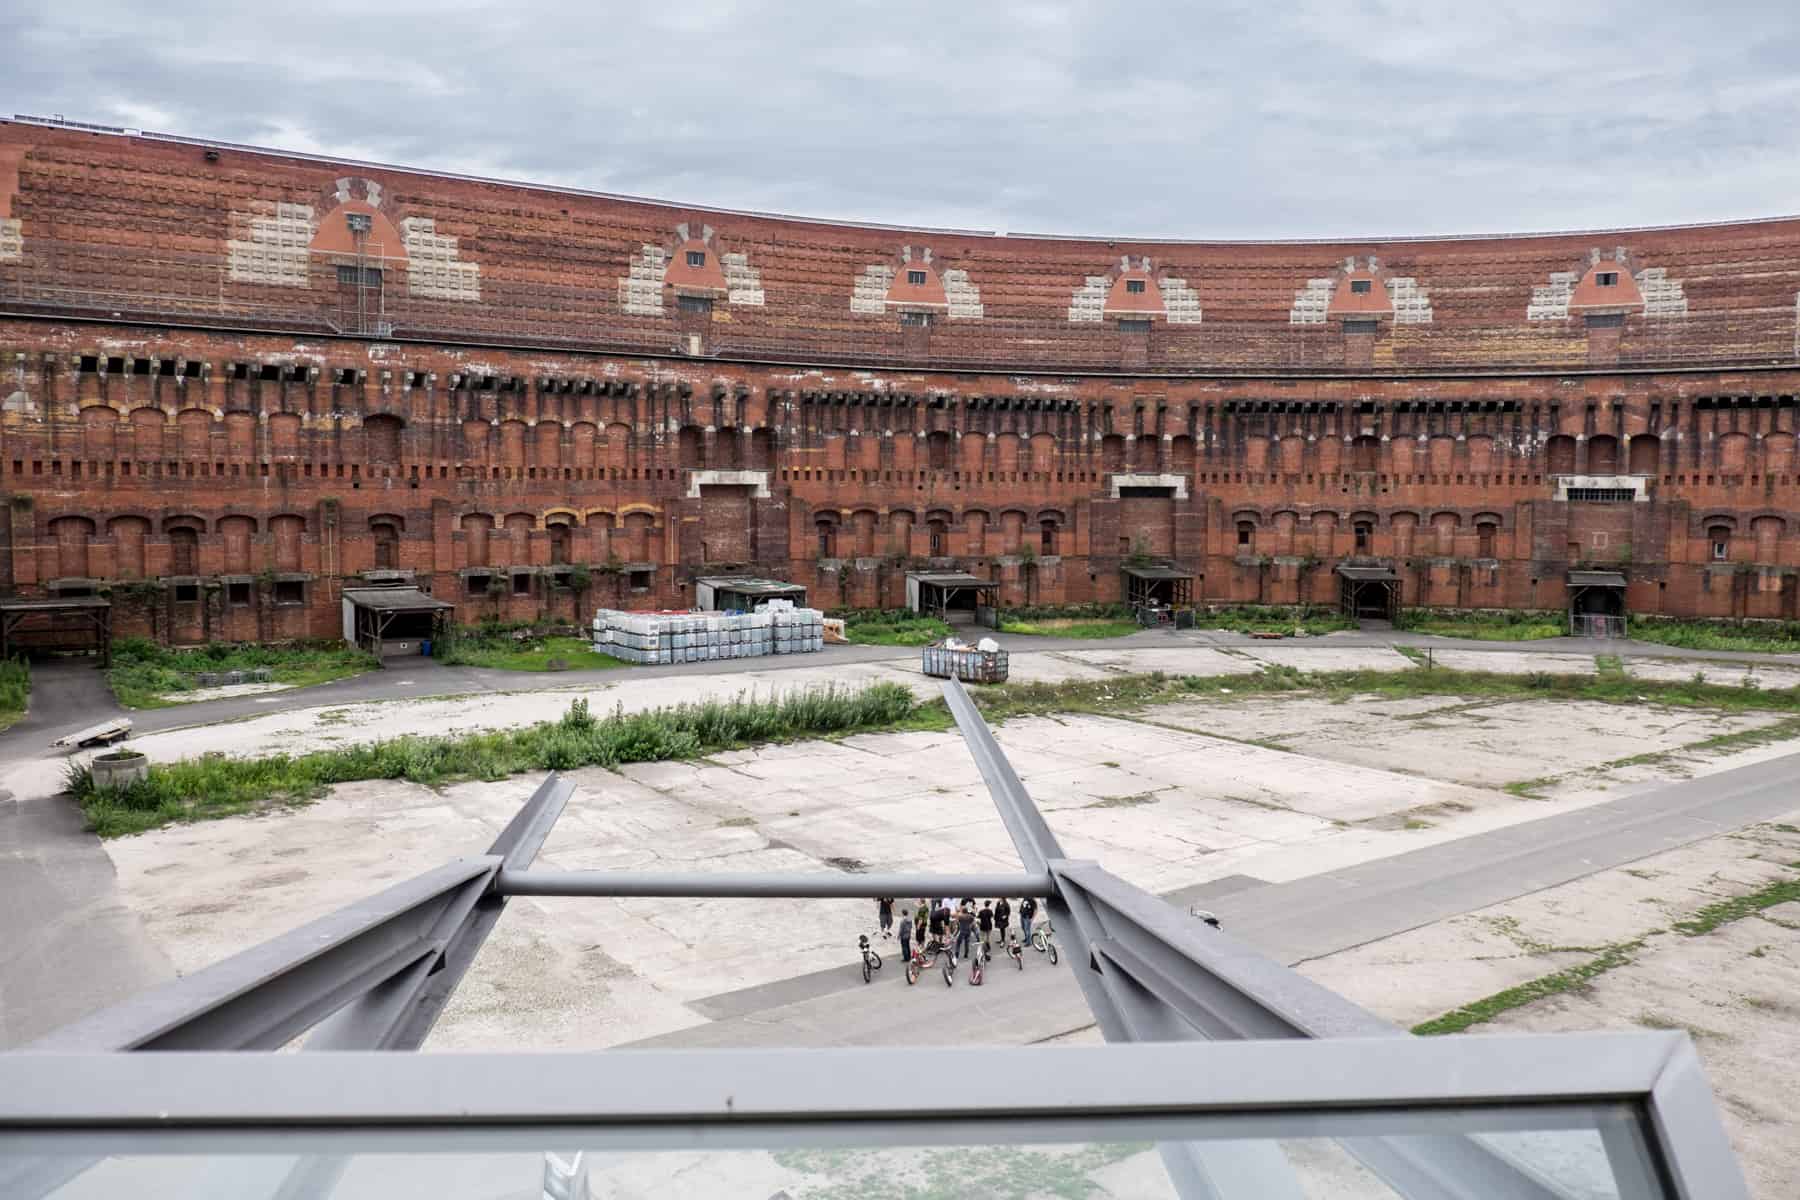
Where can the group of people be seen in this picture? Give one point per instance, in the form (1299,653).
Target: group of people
(931,922)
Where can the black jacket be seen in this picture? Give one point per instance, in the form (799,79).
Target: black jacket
(1002,912)
(1028,907)
(986,918)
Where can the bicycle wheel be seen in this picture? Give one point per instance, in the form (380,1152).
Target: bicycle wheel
(949,975)
(1018,960)
(912,973)
(1053,954)
(874,960)
(866,972)
(1038,940)
(975,972)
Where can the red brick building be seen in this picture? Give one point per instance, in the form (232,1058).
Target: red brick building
(235,380)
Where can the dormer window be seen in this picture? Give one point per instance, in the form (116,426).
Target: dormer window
(696,258)
(915,278)
(1360,287)
(1134,287)
(1606,279)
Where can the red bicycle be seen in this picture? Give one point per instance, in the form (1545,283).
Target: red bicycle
(928,953)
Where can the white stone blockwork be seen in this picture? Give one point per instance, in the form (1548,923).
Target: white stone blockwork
(640,292)
(964,297)
(1550,301)
(12,239)
(743,282)
(759,480)
(1412,303)
(1181,303)
(433,269)
(1310,303)
(1088,304)
(1663,297)
(870,293)
(270,244)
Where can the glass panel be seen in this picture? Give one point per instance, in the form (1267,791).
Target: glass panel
(1565,1150)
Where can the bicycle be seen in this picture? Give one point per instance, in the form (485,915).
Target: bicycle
(924,955)
(1041,939)
(871,961)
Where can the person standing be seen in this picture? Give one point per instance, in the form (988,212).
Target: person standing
(965,931)
(884,912)
(1002,918)
(984,920)
(921,914)
(906,933)
(1027,910)
(937,926)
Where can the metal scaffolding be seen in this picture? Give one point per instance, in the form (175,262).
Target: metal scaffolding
(1282,1056)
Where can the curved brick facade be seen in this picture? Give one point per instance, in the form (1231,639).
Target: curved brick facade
(254,377)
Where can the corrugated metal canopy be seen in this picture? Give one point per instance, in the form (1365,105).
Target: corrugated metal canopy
(395,599)
(1596,579)
(745,586)
(1368,574)
(1159,572)
(951,579)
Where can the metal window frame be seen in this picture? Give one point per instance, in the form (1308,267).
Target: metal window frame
(1281,1056)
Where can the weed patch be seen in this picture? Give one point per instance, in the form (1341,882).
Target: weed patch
(15,689)
(1739,907)
(214,786)
(502,651)
(1486,1009)
(145,674)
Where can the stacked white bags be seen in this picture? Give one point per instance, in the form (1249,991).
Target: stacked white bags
(662,638)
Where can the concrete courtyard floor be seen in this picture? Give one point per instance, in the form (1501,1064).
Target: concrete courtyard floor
(1222,792)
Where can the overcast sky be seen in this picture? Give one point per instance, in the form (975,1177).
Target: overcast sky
(1300,118)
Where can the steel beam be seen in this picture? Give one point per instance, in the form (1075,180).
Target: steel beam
(269,994)
(763,886)
(1172,978)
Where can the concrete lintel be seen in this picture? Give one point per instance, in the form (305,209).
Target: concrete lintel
(1178,482)
(756,479)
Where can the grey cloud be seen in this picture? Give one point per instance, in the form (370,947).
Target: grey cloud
(1317,118)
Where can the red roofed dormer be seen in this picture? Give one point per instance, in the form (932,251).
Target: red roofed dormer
(694,270)
(916,284)
(1134,293)
(1608,287)
(334,235)
(1361,293)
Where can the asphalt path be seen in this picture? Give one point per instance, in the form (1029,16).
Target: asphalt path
(53,715)
(1292,922)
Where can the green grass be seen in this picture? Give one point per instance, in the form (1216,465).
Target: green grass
(1251,618)
(145,674)
(1608,958)
(1765,637)
(899,628)
(1485,627)
(1486,1009)
(503,652)
(1738,907)
(1070,627)
(15,690)
(216,786)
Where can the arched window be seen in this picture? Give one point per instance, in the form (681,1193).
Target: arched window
(1047,536)
(1484,534)
(559,542)
(1364,536)
(1720,536)
(1246,536)
(827,531)
(938,529)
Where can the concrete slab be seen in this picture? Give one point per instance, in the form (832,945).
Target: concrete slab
(1310,656)
(1726,674)
(1514,662)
